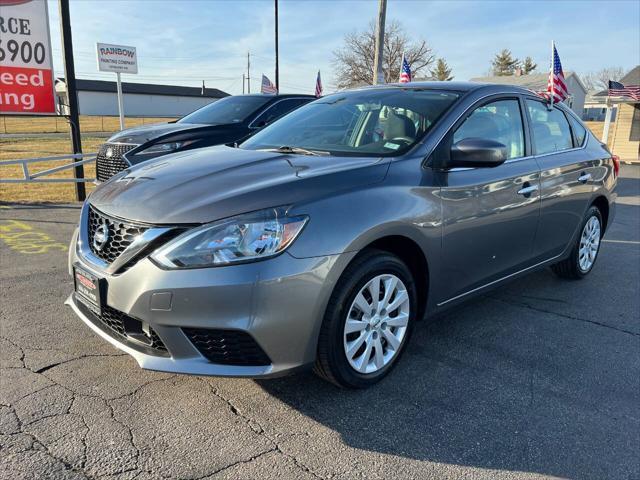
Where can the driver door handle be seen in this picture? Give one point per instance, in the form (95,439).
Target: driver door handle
(527,189)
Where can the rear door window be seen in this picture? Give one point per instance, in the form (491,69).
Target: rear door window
(277,110)
(500,121)
(550,128)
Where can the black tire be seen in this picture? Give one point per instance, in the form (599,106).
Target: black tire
(331,362)
(569,268)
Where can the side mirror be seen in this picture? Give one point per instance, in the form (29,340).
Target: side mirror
(477,152)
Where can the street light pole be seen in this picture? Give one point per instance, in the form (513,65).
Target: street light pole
(277,59)
(378,72)
(248,75)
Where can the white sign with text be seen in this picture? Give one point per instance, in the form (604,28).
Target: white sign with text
(117,58)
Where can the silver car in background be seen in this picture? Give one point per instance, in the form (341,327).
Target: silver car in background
(324,238)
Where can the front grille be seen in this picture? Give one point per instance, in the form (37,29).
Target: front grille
(118,324)
(227,347)
(120,235)
(108,165)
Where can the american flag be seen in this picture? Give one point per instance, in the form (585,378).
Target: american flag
(616,89)
(267,87)
(556,85)
(318,85)
(405,71)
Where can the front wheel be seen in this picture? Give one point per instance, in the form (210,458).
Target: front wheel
(585,251)
(368,321)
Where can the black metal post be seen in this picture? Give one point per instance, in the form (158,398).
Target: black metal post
(277,57)
(72,97)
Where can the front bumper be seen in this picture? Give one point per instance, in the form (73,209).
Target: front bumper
(280,302)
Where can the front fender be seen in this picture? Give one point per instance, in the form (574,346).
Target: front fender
(352,220)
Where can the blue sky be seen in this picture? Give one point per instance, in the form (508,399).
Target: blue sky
(183,42)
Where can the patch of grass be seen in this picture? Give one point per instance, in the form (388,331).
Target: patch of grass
(17,148)
(25,124)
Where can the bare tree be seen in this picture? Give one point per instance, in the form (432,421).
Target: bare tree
(353,62)
(600,80)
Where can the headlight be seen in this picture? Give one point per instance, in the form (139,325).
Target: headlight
(243,238)
(165,147)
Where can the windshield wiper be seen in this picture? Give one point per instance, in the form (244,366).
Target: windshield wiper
(295,150)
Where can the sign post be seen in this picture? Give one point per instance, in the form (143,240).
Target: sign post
(118,59)
(26,69)
(120,105)
(72,97)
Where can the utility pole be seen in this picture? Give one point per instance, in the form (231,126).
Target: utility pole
(243,83)
(72,96)
(277,69)
(378,72)
(248,76)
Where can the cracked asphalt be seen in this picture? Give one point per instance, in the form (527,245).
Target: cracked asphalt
(538,379)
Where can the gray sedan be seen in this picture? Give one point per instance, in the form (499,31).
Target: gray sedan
(327,236)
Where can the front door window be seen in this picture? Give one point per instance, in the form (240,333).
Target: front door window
(500,121)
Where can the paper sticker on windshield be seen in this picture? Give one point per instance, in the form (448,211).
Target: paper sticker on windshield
(392,146)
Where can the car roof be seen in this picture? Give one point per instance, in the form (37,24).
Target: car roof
(450,86)
(279,95)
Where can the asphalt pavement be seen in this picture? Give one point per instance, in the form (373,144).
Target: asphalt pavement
(538,379)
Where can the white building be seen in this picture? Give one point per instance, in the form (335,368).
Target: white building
(538,83)
(98,97)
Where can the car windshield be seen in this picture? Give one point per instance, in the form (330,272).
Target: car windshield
(363,123)
(234,109)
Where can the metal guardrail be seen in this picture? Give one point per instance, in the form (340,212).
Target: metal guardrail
(36,177)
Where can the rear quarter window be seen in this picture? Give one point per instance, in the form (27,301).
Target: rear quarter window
(579,132)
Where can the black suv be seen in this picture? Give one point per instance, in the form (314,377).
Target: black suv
(226,121)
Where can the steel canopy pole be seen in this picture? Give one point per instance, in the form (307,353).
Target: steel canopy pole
(72,96)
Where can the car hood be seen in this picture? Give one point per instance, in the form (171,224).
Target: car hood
(207,184)
(139,135)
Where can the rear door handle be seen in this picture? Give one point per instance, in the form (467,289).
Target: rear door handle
(584,178)
(527,189)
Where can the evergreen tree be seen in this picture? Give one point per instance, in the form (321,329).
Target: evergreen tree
(528,66)
(442,71)
(504,64)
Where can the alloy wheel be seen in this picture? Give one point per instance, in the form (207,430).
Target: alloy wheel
(589,244)
(376,324)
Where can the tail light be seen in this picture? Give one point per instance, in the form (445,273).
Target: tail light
(616,165)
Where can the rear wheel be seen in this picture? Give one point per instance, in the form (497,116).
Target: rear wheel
(368,321)
(585,251)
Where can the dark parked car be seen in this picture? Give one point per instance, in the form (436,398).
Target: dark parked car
(226,121)
(325,237)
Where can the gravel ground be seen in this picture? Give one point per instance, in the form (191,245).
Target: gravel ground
(538,379)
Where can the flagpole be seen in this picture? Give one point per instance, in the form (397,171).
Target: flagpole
(401,65)
(551,77)
(607,119)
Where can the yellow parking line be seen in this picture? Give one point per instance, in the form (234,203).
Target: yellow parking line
(23,238)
